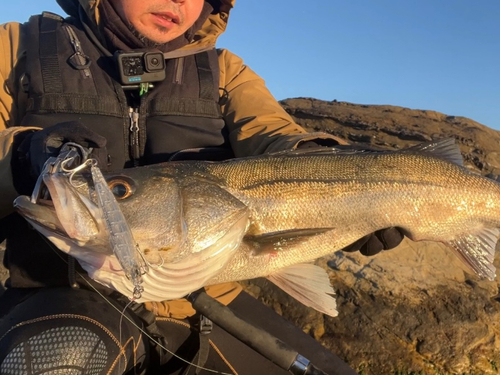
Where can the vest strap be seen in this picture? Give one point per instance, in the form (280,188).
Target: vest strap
(49,61)
(70,103)
(184,107)
(205,76)
(205,329)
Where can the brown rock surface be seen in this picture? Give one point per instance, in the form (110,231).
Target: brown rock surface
(411,310)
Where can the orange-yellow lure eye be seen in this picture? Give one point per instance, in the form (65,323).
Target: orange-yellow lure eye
(120,188)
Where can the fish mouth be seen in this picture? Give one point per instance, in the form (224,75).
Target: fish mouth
(68,212)
(43,213)
(45,203)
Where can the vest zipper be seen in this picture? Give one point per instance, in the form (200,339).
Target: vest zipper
(134,134)
(81,61)
(179,70)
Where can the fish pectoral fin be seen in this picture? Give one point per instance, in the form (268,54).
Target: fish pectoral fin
(477,251)
(310,285)
(274,242)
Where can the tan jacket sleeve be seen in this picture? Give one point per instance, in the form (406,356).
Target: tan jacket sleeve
(9,46)
(11,52)
(256,121)
(182,308)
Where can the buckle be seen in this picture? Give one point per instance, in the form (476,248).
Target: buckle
(206,325)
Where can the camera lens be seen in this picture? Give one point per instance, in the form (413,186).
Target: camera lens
(154,61)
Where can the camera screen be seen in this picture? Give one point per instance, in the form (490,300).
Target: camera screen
(132,66)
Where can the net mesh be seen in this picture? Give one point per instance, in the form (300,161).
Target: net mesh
(61,351)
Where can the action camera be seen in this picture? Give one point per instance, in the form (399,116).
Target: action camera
(140,67)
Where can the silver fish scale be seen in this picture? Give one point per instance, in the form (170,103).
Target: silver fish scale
(430,198)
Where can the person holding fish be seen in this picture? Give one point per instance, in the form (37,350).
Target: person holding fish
(135,82)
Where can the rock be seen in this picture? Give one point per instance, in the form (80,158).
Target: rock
(410,309)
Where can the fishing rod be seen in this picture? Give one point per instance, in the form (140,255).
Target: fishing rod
(256,338)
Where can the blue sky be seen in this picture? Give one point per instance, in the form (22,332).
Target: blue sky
(441,55)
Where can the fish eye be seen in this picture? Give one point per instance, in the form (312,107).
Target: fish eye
(121,188)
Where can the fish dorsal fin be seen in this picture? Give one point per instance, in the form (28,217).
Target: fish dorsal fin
(337,150)
(445,148)
(477,251)
(310,285)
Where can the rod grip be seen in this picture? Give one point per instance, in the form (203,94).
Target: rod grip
(259,340)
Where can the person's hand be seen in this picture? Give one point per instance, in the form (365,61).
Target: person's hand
(32,149)
(374,243)
(45,143)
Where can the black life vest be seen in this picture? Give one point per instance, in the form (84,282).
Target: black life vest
(70,79)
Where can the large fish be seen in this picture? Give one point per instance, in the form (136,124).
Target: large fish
(200,223)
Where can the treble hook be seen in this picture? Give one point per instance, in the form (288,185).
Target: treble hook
(72,172)
(148,263)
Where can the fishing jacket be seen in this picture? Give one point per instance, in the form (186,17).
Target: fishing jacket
(51,71)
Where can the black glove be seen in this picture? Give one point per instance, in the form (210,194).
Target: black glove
(46,143)
(36,147)
(374,243)
(318,143)
(308,144)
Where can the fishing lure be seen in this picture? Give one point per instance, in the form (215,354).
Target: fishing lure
(120,236)
(72,159)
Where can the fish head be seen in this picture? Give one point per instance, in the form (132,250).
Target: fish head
(150,200)
(71,218)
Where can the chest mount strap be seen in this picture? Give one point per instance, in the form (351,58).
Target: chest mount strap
(51,71)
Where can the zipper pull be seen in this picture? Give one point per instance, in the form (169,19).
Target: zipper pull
(78,60)
(134,120)
(76,45)
(134,134)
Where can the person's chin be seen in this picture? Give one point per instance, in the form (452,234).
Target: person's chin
(153,37)
(161,39)
(160,34)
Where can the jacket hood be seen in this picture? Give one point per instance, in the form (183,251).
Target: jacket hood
(214,26)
